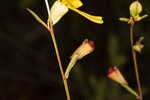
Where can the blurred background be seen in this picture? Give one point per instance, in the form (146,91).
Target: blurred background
(28,64)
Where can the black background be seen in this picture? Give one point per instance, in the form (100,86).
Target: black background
(28,64)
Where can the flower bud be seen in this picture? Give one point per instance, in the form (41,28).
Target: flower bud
(116,75)
(84,49)
(139,46)
(135,8)
(57,11)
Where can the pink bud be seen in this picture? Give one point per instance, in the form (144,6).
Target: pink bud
(84,49)
(115,74)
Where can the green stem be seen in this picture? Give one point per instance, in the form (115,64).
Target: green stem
(135,62)
(71,64)
(130,90)
(59,60)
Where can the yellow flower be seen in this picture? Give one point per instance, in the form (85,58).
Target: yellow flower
(61,7)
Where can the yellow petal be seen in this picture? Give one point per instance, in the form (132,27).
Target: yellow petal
(95,19)
(57,11)
(76,3)
(73,3)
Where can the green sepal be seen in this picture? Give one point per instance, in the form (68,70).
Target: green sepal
(123,19)
(144,16)
(71,65)
(130,90)
(37,18)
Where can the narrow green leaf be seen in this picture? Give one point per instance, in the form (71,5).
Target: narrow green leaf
(37,18)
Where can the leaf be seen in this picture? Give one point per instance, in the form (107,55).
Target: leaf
(37,18)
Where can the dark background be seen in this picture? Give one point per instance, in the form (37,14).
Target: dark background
(28,64)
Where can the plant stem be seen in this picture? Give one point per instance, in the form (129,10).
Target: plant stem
(58,58)
(135,62)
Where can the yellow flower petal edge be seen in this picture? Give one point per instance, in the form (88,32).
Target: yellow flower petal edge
(95,19)
(75,3)
(72,3)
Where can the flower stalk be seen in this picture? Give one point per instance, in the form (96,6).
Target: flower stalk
(135,62)
(135,10)
(49,27)
(59,60)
